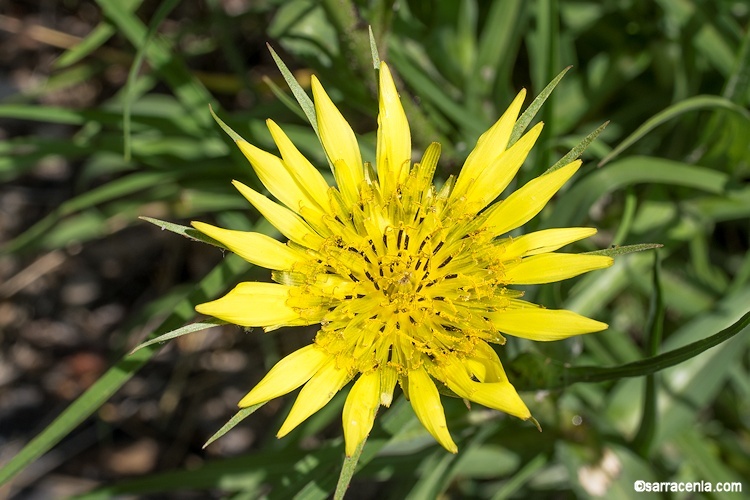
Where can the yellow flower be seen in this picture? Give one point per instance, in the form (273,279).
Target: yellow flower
(409,283)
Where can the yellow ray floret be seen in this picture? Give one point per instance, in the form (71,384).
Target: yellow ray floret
(537,323)
(317,392)
(308,177)
(275,175)
(425,400)
(546,240)
(253,304)
(287,222)
(394,138)
(489,147)
(255,248)
(410,284)
(522,205)
(287,375)
(339,143)
(359,411)
(551,267)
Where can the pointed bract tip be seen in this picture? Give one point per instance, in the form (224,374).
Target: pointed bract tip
(536,423)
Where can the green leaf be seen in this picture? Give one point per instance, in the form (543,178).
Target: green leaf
(437,466)
(700,451)
(520,478)
(110,191)
(248,473)
(95,39)
(627,172)
(161,14)
(536,373)
(690,104)
(186,87)
(493,59)
(656,363)
(644,438)
(427,88)
(738,82)
(51,114)
(626,220)
(697,383)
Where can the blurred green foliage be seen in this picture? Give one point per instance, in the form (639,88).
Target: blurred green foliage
(671,76)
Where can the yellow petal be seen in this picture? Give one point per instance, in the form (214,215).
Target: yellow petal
(547,240)
(497,395)
(485,364)
(253,304)
(255,248)
(307,176)
(315,394)
(286,375)
(359,410)
(500,396)
(489,146)
(274,174)
(551,267)
(425,400)
(498,174)
(524,204)
(532,322)
(287,222)
(394,137)
(339,143)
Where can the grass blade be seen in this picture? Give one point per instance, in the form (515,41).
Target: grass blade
(115,189)
(644,438)
(186,87)
(656,363)
(521,477)
(98,36)
(690,104)
(161,14)
(627,172)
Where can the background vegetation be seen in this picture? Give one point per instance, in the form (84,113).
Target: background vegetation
(104,118)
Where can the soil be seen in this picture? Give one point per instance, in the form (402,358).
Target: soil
(66,314)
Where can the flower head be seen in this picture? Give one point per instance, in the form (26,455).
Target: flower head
(410,284)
